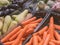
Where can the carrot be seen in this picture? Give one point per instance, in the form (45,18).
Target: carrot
(15,35)
(37,21)
(51,27)
(30,42)
(20,43)
(10,34)
(48,31)
(33,25)
(35,40)
(47,40)
(28,21)
(44,35)
(20,36)
(9,43)
(51,43)
(55,41)
(29,31)
(16,42)
(39,38)
(23,39)
(43,30)
(35,34)
(57,35)
(41,43)
(57,26)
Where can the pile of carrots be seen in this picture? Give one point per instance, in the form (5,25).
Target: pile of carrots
(20,33)
(45,36)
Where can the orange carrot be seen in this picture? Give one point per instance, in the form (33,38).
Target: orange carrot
(35,40)
(33,25)
(57,26)
(9,43)
(48,31)
(41,43)
(39,38)
(55,41)
(10,34)
(28,21)
(15,35)
(57,35)
(20,36)
(51,43)
(23,39)
(29,31)
(37,21)
(30,42)
(51,27)
(47,40)
(43,30)
(16,42)
(35,34)
(44,35)
(20,43)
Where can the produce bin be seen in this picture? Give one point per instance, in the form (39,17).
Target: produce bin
(29,22)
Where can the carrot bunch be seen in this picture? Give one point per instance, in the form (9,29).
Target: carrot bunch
(20,33)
